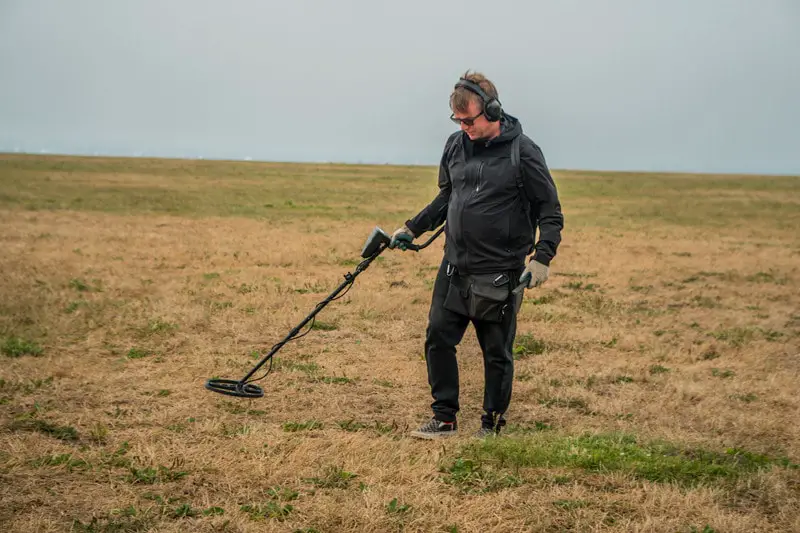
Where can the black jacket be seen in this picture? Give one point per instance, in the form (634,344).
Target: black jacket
(487,226)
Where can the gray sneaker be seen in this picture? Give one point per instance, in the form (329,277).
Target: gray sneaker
(434,429)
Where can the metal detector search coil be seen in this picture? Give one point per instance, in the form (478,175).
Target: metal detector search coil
(376,243)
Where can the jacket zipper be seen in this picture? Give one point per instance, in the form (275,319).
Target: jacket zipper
(478,177)
(463,244)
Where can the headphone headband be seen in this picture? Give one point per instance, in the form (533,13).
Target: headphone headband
(473,87)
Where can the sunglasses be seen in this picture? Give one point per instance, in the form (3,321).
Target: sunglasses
(468,121)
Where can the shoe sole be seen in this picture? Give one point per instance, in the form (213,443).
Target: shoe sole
(432,436)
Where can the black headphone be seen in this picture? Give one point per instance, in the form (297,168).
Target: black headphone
(491,106)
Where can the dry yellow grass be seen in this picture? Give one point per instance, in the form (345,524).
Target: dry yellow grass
(672,314)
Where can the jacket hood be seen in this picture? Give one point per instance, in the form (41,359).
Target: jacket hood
(510,127)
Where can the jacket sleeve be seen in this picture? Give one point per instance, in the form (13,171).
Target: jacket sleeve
(545,205)
(435,213)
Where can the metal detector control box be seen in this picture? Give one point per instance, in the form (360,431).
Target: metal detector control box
(374,241)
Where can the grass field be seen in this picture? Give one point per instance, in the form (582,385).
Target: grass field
(656,381)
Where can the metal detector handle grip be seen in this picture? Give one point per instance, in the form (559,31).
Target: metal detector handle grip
(418,247)
(523,283)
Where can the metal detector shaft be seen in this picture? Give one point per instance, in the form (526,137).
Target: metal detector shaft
(349,278)
(377,242)
(332,296)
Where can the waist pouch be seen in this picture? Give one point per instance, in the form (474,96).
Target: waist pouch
(479,296)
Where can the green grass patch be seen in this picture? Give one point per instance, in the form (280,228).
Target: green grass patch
(324,326)
(25,387)
(65,433)
(737,336)
(137,353)
(641,288)
(716,372)
(351,425)
(505,461)
(526,345)
(767,277)
(65,459)
(575,275)
(128,520)
(17,347)
(282,493)
(523,428)
(335,380)
(306,368)
(301,426)
(184,510)
(79,285)
(149,475)
(157,325)
(746,398)
(570,403)
(333,477)
(395,507)
(268,510)
(579,286)
(546,298)
(578,404)
(596,304)
(570,504)
(705,302)
(74,306)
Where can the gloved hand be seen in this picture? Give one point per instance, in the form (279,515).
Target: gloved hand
(535,274)
(401,238)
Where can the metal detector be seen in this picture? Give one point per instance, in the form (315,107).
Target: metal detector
(375,244)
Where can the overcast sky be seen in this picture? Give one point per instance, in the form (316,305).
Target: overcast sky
(685,85)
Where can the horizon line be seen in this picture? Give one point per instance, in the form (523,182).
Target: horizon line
(249,159)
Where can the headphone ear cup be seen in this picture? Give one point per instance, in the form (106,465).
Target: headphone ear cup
(493,110)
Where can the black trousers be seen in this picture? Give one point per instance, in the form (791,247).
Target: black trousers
(446,330)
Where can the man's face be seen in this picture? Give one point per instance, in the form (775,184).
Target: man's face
(477,127)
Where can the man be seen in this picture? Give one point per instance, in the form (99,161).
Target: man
(491,216)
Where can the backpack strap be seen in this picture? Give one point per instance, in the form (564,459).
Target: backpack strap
(515,163)
(518,172)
